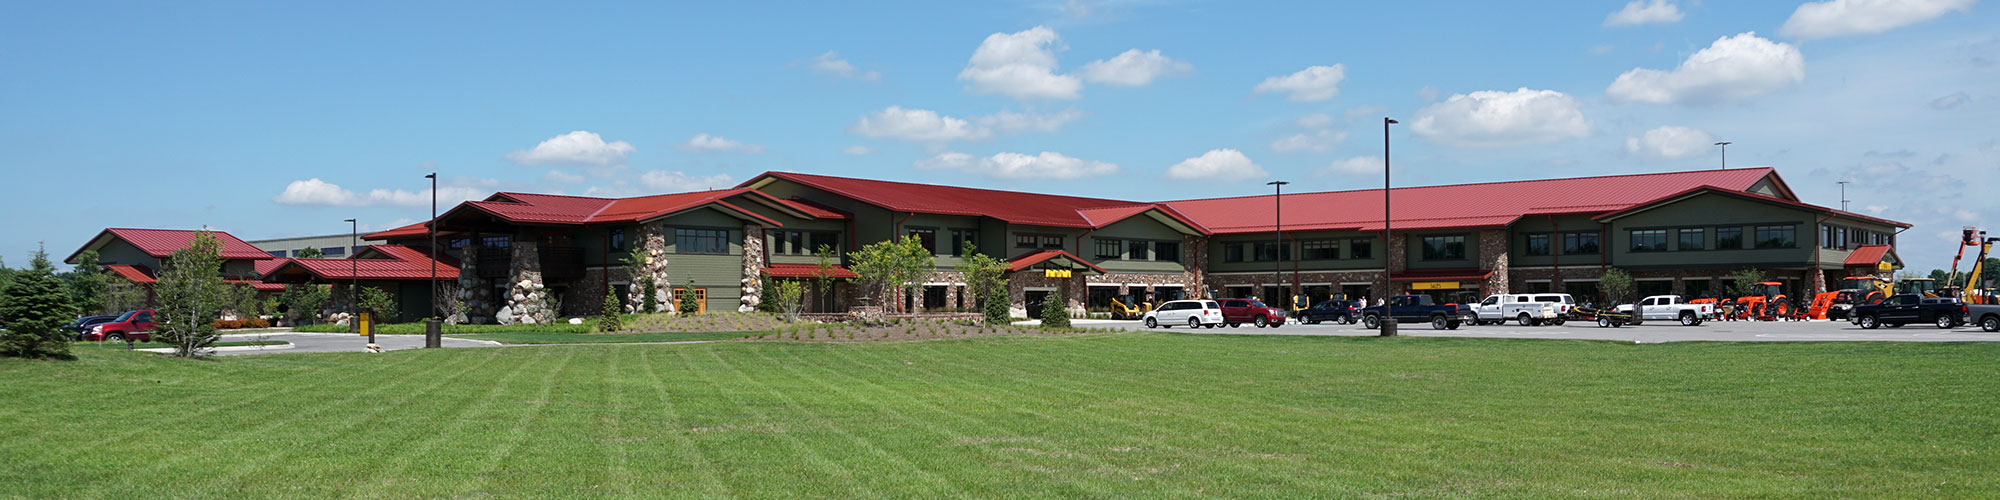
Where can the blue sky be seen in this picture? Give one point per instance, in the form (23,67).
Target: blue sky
(272,120)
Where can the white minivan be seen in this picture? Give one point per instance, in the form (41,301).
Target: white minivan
(1525,308)
(1193,313)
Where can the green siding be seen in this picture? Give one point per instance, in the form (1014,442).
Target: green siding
(1708,212)
(1517,243)
(1142,228)
(721,274)
(1217,252)
(944,224)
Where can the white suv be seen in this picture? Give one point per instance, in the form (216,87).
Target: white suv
(1193,313)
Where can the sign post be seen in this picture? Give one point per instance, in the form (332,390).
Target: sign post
(367,327)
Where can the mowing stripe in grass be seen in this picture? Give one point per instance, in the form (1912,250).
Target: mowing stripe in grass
(813,457)
(704,466)
(511,438)
(427,438)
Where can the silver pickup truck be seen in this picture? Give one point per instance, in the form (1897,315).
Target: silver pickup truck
(1987,317)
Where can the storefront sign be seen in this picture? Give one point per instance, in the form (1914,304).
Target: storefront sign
(1434,285)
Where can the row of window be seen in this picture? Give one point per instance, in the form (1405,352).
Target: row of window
(1573,243)
(1836,237)
(1726,238)
(324,252)
(1320,249)
(958,241)
(1165,251)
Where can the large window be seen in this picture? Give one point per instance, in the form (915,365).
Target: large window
(1232,252)
(496,241)
(1728,238)
(1052,242)
(1167,251)
(1110,249)
(1444,248)
(1538,245)
(701,241)
(1649,240)
(800,242)
(1319,249)
(1360,249)
(963,241)
(927,237)
(1691,239)
(1267,252)
(1580,243)
(1025,240)
(1785,236)
(1139,250)
(333,251)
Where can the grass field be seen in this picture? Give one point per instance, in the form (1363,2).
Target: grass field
(599,338)
(1141,414)
(156,345)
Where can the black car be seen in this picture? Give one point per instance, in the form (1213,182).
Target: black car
(1338,311)
(1909,308)
(1420,308)
(83,324)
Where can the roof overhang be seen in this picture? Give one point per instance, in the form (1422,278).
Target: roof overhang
(1713,190)
(1053,259)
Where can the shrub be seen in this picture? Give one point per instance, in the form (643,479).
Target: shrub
(32,305)
(687,301)
(608,320)
(1054,315)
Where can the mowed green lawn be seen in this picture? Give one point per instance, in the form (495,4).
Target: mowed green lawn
(1113,415)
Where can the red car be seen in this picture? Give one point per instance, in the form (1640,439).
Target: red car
(1236,312)
(135,325)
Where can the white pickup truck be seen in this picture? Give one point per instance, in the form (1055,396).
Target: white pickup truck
(1671,308)
(1524,308)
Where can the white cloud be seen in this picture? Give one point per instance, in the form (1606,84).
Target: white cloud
(858,150)
(831,63)
(1020,65)
(915,125)
(1428,94)
(1315,83)
(679,182)
(1670,142)
(1602,49)
(1950,101)
(1225,165)
(1010,122)
(575,148)
(1353,166)
(1315,121)
(1864,17)
(1134,68)
(704,143)
(318,192)
(1733,68)
(1318,141)
(561,177)
(1047,165)
(1497,118)
(1645,12)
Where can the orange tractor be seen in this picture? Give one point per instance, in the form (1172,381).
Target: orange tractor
(1766,302)
(1854,290)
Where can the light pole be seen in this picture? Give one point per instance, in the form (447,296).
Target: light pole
(1278,234)
(434,329)
(1388,304)
(1725,153)
(354,283)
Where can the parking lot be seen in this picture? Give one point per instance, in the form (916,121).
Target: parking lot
(1665,331)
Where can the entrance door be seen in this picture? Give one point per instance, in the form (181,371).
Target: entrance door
(1166,293)
(1033,299)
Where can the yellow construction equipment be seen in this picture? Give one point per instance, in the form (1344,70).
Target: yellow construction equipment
(1974,281)
(1928,287)
(1123,307)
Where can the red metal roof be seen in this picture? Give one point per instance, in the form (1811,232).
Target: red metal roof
(1040,256)
(806,271)
(560,209)
(418,229)
(1440,274)
(163,242)
(1663,200)
(1492,204)
(135,274)
(408,265)
(1015,207)
(1867,255)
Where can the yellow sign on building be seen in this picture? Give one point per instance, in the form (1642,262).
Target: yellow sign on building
(1056,273)
(1434,285)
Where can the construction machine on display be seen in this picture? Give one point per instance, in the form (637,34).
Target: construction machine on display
(1124,307)
(1767,302)
(1974,289)
(1853,290)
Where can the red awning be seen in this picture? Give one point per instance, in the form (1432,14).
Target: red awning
(1440,274)
(135,274)
(1061,257)
(1867,255)
(806,271)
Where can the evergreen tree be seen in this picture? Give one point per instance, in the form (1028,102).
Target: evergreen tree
(608,320)
(651,302)
(310,253)
(191,295)
(689,304)
(33,303)
(87,283)
(379,303)
(1055,314)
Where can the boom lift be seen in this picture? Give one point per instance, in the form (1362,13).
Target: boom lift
(1971,290)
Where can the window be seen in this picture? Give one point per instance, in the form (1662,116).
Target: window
(1232,252)
(1319,249)
(1139,250)
(1538,245)
(962,241)
(459,242)
(701,241)
(1360,249)
(1052,242)
(277,253)
(618,240)
(1649,240)
(496,241)
(1444,248)
(1110,249)
(1728,238)
(1579,243)
(927,237)
(799,242)
(1024,241)
(1167,251)
(332,251)
(1777,236)
(1691,239)
(1267,252)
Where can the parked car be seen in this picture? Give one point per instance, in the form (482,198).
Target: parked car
(1986,316)
(1499,308)
(1193,313)
(1236,312)
(134,325)
(1344,312)
(82,325)
(1564,304)
(1670,308)
(1899,310)
(1420,308)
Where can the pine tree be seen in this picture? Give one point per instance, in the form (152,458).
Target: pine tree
(1054,312)
(33,304)
(608,320)
(689,304)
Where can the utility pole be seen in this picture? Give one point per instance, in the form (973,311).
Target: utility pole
(1843,195)
(1725,153)
(1388,320)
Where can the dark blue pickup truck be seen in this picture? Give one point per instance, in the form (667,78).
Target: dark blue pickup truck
(1420,309)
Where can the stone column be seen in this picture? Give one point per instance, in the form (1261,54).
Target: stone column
(336,311)
(472,291)
(527,300)
(1493,256)
(1194,264)
(753,268)
(653,241)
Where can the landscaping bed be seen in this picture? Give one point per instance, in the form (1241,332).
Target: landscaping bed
(908,329)
(449,329)
(600,338)
(711,322)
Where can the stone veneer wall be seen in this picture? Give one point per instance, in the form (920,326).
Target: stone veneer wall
(753,268)
(1398,256)
(335,311)
(472,290)
(1493,256)
(652,238)
(1018,285)
(527,300)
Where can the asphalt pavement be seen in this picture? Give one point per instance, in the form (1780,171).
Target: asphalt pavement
(1663,331)
(331,342)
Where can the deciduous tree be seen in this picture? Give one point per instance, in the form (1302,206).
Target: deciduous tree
(1616,285)
(87,283)
(191,295)
(985,279)
(888,266)
(1742,283)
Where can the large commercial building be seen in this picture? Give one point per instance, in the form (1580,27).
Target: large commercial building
(1679,232)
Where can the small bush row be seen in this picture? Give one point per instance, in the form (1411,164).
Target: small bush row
(231,324)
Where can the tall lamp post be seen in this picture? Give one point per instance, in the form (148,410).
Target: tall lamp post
(1725,153)
(434,329)
(354,285)
(1389,303)
(1278,234)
